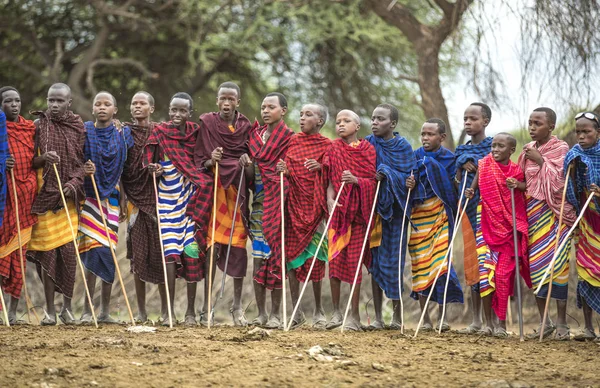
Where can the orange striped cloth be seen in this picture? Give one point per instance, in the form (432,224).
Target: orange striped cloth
(225,209)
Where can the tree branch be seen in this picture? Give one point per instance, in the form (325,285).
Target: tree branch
(399,16)
(446,7)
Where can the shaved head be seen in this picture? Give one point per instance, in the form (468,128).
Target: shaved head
(352,114)
(59,86)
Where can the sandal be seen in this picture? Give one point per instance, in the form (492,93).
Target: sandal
(190,320)
(376,325)
(562,337)
(108,320)
(585,335)
(445,327)
(273,323)
(47,321)
(298,321)
(486,331)
(203,321)
(426,327)
(239,319)
(395,326)
(336,321)
(548,330)
(500,332)
(260,321)
(67,318)
(469,330)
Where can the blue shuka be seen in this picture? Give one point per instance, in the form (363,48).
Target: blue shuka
(436,171)
(395,160)
(3,156)
(587,171)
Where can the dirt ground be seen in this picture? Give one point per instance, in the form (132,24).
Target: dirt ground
(110,356)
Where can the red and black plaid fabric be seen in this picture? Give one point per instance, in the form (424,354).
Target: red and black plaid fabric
(60,264)
(266,155)
(317,274)
(213,133)
(355,202)
(143,248)
(306,202)
(66,136)
(21,135)
(137,181)
(179,148)
(10,271)
(188,268)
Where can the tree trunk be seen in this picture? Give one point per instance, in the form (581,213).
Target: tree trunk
(432,99)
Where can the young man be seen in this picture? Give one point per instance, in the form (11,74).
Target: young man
(143,244)
(306,208)
(268,145)
(542,162)
(60,138)
(585,179)
(476,118)
(21,135)
(170,154)
(105,152)
(352,161)
(433,215)
(495,176)
(223,139)
(395,163)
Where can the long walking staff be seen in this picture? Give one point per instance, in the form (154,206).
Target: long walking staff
(565,240)
(283,262)
(162,252)
(556,244)
(400,261)
(312,265)
(4,312)
(27,299)
(212,247)
(237,202)
(518,276)
(112,250)
(451,254)
(360,258)
(74,236)
(437,275)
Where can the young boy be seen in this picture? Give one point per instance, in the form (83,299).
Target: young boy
(585,179)
(542,162)
(268,145)
(433,215)
(395,163)
(352,161)
(105,152)
(21,135)
(223,139)
(476,118)
(496,174)
(60,138)
(170,154)
(306,207)
(143,244)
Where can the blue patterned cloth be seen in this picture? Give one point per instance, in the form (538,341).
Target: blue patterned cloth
(472,153)
(107,148)
(589,293)
(3,156)
(587,171)
(436,172)
(395,160)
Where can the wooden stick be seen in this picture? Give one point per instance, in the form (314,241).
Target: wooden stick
(312,265)
(74,236)
(283,261)
(441,267)
(360,258)
(212,247)
(556,244)
(4,312)
(237,202)
(27,299)
(518,275)
(162,252)
(402,246)
(110,246)
(450,255)
(565,240)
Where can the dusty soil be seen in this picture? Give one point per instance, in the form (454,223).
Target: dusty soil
(111,356)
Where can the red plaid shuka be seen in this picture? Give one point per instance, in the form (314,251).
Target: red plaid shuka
(66,136)
(179,148)
(355,203)
(306,202)
(213,133)
(137,181)
(21,135)
(497,226)
(266,155)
